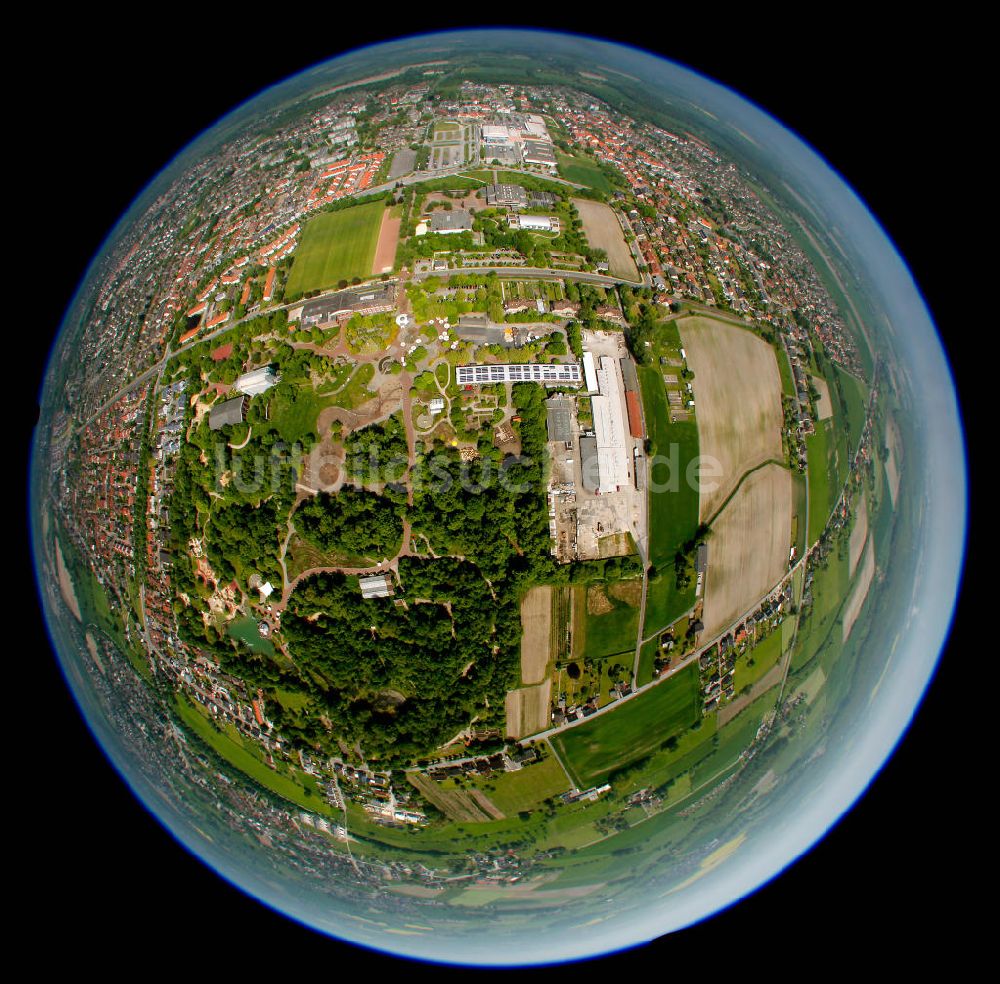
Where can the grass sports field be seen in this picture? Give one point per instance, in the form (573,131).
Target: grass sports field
(594,750)
(336,246)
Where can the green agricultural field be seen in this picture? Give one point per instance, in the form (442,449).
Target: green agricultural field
(336,246)
(820,486)
(673,510)
(819,628)
(855,396)
(583,170)
(594,750)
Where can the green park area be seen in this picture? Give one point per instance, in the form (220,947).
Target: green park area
(336,246)
(594,751)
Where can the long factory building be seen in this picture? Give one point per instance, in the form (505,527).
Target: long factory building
(604,458)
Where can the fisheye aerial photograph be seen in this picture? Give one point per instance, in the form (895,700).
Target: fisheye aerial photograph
(498,498)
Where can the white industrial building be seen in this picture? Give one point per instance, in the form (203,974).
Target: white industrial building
(256,382)
(610,429)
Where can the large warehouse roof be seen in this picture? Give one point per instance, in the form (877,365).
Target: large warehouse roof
(559,418)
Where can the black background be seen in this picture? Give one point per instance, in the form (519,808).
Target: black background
(108,108)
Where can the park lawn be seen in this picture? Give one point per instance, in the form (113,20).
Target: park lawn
(581,169)
(303,556)
(673,501)
(514,792)
(594,750)
(305,795)
(818,461)
(356,391)
(336,246)
(754,663)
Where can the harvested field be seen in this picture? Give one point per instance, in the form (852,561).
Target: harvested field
(748,550)
(853,607)
(824,408)
(737,390)
(388,239)
(536,638)
(859,534)
(528,710)
(457,804)
(604,231)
